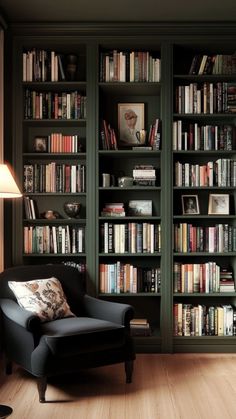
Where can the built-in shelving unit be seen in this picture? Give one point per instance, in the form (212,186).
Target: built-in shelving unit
(111,72)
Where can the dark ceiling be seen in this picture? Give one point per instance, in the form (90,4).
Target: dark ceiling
(118,10)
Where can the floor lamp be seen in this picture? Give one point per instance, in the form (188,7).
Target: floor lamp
(8,189)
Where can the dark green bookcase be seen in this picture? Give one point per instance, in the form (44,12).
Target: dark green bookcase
(176,46)
(183,55)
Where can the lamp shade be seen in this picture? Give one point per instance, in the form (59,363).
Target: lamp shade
(8,186)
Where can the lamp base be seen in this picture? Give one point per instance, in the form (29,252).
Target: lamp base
(5,411)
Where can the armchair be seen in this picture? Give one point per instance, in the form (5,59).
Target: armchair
(97,335)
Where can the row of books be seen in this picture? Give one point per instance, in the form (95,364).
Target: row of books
(213,64)
(124,277)
(30,207)
(43,65)
(134,66)
(204,137)
(56,142)
(206,98)
(130,238)
(221,172)
(219,238)
(109,138)
(62,239)
(219,320)
(54,105)
(202,278)
(54,177)
(80,266)
(154,135)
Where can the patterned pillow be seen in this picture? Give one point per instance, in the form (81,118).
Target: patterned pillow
(44,297)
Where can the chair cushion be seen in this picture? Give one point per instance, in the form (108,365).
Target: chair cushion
(44,297)
(76,335)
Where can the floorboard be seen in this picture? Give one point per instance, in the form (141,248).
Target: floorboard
(178,386)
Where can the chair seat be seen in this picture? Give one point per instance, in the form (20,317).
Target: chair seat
(70,336)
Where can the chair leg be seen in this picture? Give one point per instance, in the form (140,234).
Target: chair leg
(42,386)
(129,366)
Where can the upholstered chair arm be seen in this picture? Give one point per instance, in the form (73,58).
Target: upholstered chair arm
(19,315)
(106,310)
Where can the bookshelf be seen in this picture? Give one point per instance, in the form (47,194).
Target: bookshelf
(52,153)
(132,259)
(197,141)
(203,171)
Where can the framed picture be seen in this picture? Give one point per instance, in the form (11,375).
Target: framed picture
(190,204)
(131,124)
(218,204)
(40,144)
(140,207)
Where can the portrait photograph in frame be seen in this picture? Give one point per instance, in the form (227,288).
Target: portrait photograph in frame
(40,144)
(190,204)
(131,124)
(218,204)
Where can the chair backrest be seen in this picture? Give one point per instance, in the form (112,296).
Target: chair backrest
(70,278)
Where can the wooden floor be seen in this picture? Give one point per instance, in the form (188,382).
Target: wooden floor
(183,386)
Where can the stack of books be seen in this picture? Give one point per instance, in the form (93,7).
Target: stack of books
(140,327)
(114,209)
(226,281)
(144,175)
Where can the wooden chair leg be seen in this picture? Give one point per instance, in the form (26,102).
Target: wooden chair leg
(129,366)
(42,386)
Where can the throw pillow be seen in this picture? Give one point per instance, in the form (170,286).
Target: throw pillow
(44,297)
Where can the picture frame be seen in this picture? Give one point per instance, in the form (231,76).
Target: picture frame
(218,204)
(131,124)
(140,208)
(40,144)
(190,204)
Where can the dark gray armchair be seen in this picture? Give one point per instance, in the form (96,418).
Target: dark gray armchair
(97,336)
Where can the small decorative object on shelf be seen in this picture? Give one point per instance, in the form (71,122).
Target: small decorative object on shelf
(218,204)
(140,207)
(106,180)
(40,144)
(190,204)
(71,66)
(125,182)
(131,124)
(72,209)
(50,215)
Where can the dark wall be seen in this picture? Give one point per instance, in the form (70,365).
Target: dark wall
(8,143)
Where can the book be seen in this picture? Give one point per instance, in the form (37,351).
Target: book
(61,68)
(138,321)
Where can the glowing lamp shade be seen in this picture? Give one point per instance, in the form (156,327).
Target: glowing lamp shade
(8,186)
